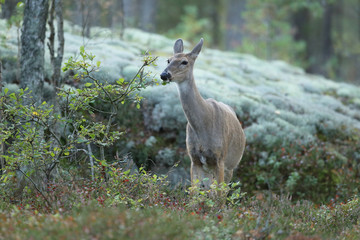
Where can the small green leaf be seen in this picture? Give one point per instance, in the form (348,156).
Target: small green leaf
(13,96)
(82,140)
(82,49)
(4,178)
(88,84)
(120,81)
(6,90)
(138,106)
(98,63)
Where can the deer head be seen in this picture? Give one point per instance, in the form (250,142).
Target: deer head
(180,66)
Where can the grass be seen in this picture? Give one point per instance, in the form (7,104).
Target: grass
(144,207)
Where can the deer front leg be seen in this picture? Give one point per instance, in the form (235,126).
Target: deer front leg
(195,172)
(202,175)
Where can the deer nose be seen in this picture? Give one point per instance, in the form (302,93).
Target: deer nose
(165,75)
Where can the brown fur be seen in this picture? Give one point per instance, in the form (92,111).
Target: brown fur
(215,139)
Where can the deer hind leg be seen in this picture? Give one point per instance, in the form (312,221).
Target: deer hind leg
(220,171)
(228,175)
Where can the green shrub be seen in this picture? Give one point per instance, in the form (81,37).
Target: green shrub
(42,140)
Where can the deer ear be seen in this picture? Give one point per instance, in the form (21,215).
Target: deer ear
(178,46)
(195,52)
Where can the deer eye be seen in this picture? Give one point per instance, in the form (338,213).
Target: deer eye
(184,62)
(168,61)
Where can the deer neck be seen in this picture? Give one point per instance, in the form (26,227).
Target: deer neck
(194,105)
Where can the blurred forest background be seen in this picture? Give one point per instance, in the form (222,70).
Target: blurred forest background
(321,36)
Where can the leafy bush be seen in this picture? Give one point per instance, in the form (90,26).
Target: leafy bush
(42,139)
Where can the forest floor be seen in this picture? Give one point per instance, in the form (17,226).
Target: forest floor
(143,206)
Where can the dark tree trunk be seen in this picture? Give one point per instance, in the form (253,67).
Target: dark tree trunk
(32,46)
(122,18)
(8,8)
(317,33)
(327,49)
(234,23)
(216,24)
(118,17)
(131,12)
(56,58)
(147,17)
(85,9)
(0,77)
(358,7)
(339,13)
(2,161)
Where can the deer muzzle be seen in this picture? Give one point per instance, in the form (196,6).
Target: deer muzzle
(165,76)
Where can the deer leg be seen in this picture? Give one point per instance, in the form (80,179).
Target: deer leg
(228,175)
(203,175)
(220,171)
(196,173)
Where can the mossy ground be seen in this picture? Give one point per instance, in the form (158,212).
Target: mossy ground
(143,207)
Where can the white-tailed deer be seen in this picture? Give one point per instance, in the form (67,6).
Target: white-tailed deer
(215,139)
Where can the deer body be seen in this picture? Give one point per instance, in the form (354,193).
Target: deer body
(214,137)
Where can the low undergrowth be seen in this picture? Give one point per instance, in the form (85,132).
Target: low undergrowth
(143,206)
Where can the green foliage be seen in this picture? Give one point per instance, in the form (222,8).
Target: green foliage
(191,27)
(17,17)
(42,137)
(135,190)
(268,34)
(316,171)
(217,197)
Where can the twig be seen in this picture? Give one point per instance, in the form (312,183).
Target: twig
(36,187)
(91,162)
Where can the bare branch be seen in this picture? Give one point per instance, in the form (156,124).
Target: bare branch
(36,187)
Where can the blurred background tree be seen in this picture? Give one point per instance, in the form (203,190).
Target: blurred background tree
(322,36)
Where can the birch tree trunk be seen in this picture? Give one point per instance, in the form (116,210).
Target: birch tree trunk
(56,56)
(32,46)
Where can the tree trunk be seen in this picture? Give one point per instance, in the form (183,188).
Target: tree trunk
(148,11)
(217,10)
(56,9)
(122,18)
(234,23)
(8,8)
(85,11)
(131,12)
(32,46)
(327,49)
(2,162)
(117,14)
(0,78)
(358,7)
